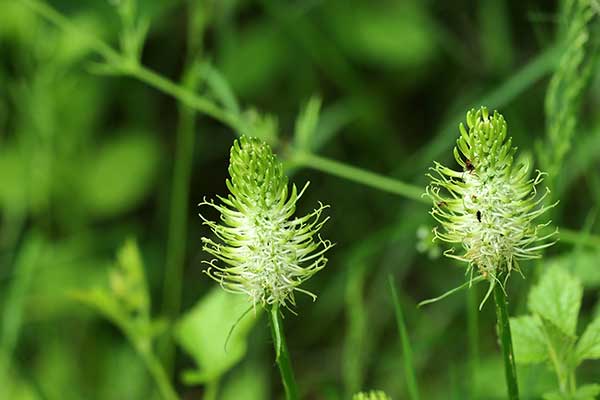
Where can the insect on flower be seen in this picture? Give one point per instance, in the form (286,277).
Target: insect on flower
(499,190)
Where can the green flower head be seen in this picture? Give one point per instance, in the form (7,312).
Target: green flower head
(489,208)
(263,251)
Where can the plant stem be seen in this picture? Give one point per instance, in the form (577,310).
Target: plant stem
(282,355)
(504,335)
(182,171)
(158,373)
(367,178)
(409,369)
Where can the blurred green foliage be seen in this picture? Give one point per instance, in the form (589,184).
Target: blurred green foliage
(89,141)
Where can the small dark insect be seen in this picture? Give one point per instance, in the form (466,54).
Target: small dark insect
(469,165)
(442,204)
(479,216)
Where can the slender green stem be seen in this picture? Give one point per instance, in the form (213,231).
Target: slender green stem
(183,95)
(158,373)
(282,355)
(409,368)
(180,183)
(367,178)
(503,326)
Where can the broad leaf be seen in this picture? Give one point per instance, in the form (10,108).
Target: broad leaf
(204,330)
(528,340)
(588,347)
(557,298)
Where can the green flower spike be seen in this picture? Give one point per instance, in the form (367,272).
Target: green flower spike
(490,207)
(267,252)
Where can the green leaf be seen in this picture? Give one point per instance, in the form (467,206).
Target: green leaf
(219,87)
(588,347)
(557,298)
(587,392)
(528,340)
(203,332)
(249,383)
(306,124)
(128,281)
(120,175)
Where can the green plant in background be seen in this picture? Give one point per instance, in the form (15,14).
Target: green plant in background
(549,333)
(268,253)
(59,110)
(126,303)
(490,210)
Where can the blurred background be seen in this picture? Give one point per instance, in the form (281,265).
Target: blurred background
(116,119)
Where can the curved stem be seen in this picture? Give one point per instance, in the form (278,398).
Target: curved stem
(504,335)
(282,355)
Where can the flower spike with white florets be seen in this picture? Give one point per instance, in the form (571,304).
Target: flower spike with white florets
(267,252)
(490,207)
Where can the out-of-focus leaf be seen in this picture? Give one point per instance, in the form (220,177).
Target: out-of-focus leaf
(588,347)
(256,60)
(249,383)
(557,298)
(128,281)
(13,175)
(586,392)
(392,34)
(121,174)
(263,126)
(528,340)
(219,87)
(582,264)
(306,123)
(203,331)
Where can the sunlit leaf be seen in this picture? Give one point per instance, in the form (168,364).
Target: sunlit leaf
(203,332)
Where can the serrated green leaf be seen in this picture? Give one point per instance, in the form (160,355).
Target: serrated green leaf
(120,175)
(203,331)
(557,299)
(528,340)
(588,346)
